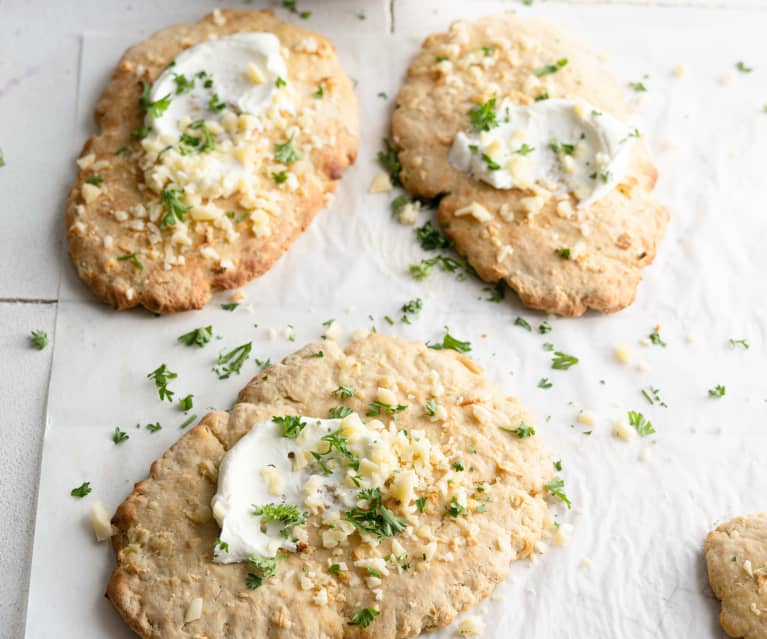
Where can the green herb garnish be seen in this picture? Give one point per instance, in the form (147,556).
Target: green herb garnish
(38,339)
(82,490)
(483,116)
(162,375)
(291,425)
(286,152)
(185,403)
(364,617)
(175,209)
(231,362)
(119,436)
(556,489)
(563,361)
(285,514)
(718,391)
(452,343)
(521,321)
(377,519)
(640,423)
(133,257)
(198,337)
(523,430)
(548,69)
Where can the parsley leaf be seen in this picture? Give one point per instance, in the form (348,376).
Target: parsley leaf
(483,116)
(231,362)
(198,337)
(364,617)
(95,180)
(639,87)
(39,339)
(544,327)
(430,238)
(215,104)
(741,66)
(280,178)
(339,412)
(548,69)
(285,514)
(185,403)
(183,84)
(739,342)
(452,343)
(640,423)
(454,509)
(389,159)
(279,82)
(375,408)
(161,376)
(431,407)
(291,425)
(119,436)
(521,321)
(319,93)
(344,392)
(525,149)
(544,383)
(377,519)
(133,258)
(717,392)
(655,338)
(556,489)
(492,165)
(187,421)
(266,566)
(286,152)
(563,252)
(420,504)
(230,306)
(153,428)
(158,107)
(175,209)
(523,430)
(82,490)
(563,361)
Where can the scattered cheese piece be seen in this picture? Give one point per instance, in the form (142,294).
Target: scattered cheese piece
(587,417)
(381,183)
(102,525)
(680,70)
(476,210)
(471,626)
(622,431)
(194,610)
(623,354)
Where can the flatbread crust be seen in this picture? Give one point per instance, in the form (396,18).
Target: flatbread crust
(165,532)
(622,230)
(736,556)
(118,113)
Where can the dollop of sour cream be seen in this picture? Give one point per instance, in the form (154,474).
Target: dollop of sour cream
(240,70)
(559,145)
(265,467)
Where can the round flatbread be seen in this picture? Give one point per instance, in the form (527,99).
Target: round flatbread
(522,238)
(443,563)
(736,556)
(113,218)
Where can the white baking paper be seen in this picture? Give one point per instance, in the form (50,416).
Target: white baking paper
(634,565)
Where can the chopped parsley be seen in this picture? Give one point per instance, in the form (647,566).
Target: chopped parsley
(377,519)
(95,180)
(189,143)
(82,490)
(175,209)
(454,509)
(563,252)
(441,58)
(319,93)
(153,428)
(364,617)
(741,66)
(562,147)
(280,177)
(424,268)
(431,407)
(344,392)
(563,361)
(162,375)
(266,566)
(334,569)
(291,425)
(548,69)
(639,87)
(290,5)
(133,258)
(231,362)
(230,306)
(339,412)
(198,337)
(383,95)
(215,104)
(521,321)
(492,165)
(544,327)
(655,338)
(525,149)
(717,392)
(185,403)
(544,383)
(652,395)
(253,581)
(285,514)
(390,161)
(121,150)
(156,108)
(140,133)
(523,430)
(399,203)
(119,436)
(640,423)
(412,307)
(458,466)
(487,51)
(279,82)
(187,421)
(452,343)
(38,339)
(420,503)
(375,408)
(483,116)
(739,342)
(286,152)
(183,84)
(431,239)
(496,293)
(556,489)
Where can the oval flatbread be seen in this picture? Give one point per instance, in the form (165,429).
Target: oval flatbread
(736,556)
(114,228)
(521,239)
(443,562)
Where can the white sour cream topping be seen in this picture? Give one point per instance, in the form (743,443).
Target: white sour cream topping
(265,467)
(241,70)
(575,147)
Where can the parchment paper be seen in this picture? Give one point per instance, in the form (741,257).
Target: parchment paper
(634,565)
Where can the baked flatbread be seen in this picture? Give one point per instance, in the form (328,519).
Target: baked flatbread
(608,243)
(114,234)
(736,556)
(166,534)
